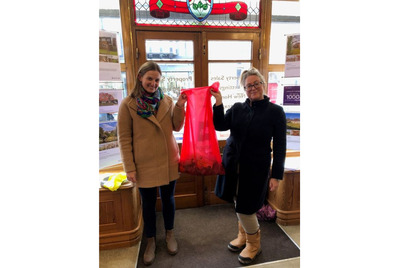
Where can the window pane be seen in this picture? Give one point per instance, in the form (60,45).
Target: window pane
(237,50)
(285,8)
(228,75)
(285,20)
(176,76)
(278,40)
(169,50)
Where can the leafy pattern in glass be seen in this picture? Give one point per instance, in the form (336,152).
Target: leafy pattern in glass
(206,13)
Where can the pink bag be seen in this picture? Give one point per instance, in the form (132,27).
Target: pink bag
(266,213)
(200,153)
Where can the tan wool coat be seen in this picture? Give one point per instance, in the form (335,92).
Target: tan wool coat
(147,145)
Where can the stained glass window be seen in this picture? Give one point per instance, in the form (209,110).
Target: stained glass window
(205,13)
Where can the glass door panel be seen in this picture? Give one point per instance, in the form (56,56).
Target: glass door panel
(229,54)
(178,50)
(228,75)
(174,52)
(176,76)
(237,50)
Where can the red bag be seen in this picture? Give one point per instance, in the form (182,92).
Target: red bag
(200,153)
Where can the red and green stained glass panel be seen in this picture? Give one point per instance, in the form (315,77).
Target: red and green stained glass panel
(198,13)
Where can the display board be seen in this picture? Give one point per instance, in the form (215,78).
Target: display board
(110,97)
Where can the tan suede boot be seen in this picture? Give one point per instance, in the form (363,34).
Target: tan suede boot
(149,254)
(238,243)
(251,250)
(171,242)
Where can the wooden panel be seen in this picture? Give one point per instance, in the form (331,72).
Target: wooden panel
(120,217)
(189,192)
(286,200)
(110,212)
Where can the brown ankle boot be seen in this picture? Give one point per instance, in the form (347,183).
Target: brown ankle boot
(252,248)
(171,242)
(149,254)
(238,243)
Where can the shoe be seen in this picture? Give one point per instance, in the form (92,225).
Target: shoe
(149,254)
(252,248)
(171,242)
(238,243)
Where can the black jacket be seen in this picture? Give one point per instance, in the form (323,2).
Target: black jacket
(247,154)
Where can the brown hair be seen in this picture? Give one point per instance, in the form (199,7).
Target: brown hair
(148,66)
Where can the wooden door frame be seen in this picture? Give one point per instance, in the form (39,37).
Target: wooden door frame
(141,36)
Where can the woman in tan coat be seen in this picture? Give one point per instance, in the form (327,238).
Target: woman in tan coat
(149,152)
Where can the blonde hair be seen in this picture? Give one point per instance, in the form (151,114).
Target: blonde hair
(148,66)
(251,71)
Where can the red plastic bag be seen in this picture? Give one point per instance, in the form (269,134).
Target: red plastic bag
(200,153)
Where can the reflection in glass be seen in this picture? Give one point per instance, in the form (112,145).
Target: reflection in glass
(237,50)
(169,50)
(228,75)
(176,76)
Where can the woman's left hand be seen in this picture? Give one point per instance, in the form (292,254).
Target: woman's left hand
(181,100)
(273,184)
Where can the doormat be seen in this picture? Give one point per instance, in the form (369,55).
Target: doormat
(203,234)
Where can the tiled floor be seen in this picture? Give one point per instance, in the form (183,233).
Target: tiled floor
(127,257)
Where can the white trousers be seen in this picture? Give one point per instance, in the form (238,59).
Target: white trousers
(249,222)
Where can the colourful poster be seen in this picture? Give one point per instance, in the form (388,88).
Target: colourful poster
(292,95)
(110,69)
(293,56)
(108,144)
(109,100)
(293,131)
(272,91)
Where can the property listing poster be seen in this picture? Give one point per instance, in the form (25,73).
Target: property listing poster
(293,131)
(292,95)
(292,58)
(109,100)
(109,149)
(110,69)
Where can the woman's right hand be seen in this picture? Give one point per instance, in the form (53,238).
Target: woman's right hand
(218,96)
(131,176)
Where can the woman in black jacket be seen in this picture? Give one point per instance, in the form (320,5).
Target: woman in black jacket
(253,125)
